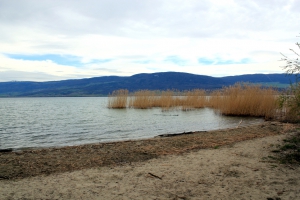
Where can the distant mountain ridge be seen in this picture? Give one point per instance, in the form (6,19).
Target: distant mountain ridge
(102,86)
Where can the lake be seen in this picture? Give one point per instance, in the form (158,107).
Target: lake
(67,121)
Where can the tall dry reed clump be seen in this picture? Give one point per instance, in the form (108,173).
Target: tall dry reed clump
(118,99)
(246,100)
(166,100)
(236,100)
(215,99)
(193,99)
(143,99)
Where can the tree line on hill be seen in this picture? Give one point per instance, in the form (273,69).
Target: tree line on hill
(103,86)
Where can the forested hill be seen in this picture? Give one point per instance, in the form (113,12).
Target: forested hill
(102,86)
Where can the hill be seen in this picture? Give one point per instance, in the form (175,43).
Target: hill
(102,86)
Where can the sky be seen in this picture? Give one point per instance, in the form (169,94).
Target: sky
(47,40)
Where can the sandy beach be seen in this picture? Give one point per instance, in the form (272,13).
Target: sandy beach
(238,170)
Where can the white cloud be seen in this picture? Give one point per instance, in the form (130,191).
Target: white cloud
(134,36)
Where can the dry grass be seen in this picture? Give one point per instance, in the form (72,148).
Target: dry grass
(215,99)
(289,103)
(237,100)
(246,100)
(143,99)
(118,99)
(194,99)
(166,100)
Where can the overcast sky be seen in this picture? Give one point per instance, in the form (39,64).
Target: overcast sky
(42,40)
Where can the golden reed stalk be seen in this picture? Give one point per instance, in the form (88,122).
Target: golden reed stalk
(193,99)
(236,100)
(245,100)
(143,99)
(118,99)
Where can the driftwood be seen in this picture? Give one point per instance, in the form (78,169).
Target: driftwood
(178,134)
(155,176)
(6,150)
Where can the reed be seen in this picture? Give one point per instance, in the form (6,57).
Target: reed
(236,100)
(118,99)
(143,99)
(193,99)
(166,100)
(246,100)
(214,99)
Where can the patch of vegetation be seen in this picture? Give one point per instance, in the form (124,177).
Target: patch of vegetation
(289,152)
(241,99)
(291,100)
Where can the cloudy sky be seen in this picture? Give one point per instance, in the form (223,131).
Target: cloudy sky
(42,40)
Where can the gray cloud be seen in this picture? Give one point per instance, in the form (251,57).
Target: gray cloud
(135,18)
(25,76)
(148,31)
(13,75)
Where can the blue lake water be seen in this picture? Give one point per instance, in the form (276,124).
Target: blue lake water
(49,122)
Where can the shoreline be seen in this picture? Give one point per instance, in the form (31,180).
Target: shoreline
(46,161)
(21,148)
(236,170)
(161,135)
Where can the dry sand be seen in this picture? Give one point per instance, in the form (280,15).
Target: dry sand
(237,171)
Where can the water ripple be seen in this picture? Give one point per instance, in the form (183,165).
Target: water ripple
(46,122)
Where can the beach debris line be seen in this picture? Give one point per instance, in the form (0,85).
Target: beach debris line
(178,134)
